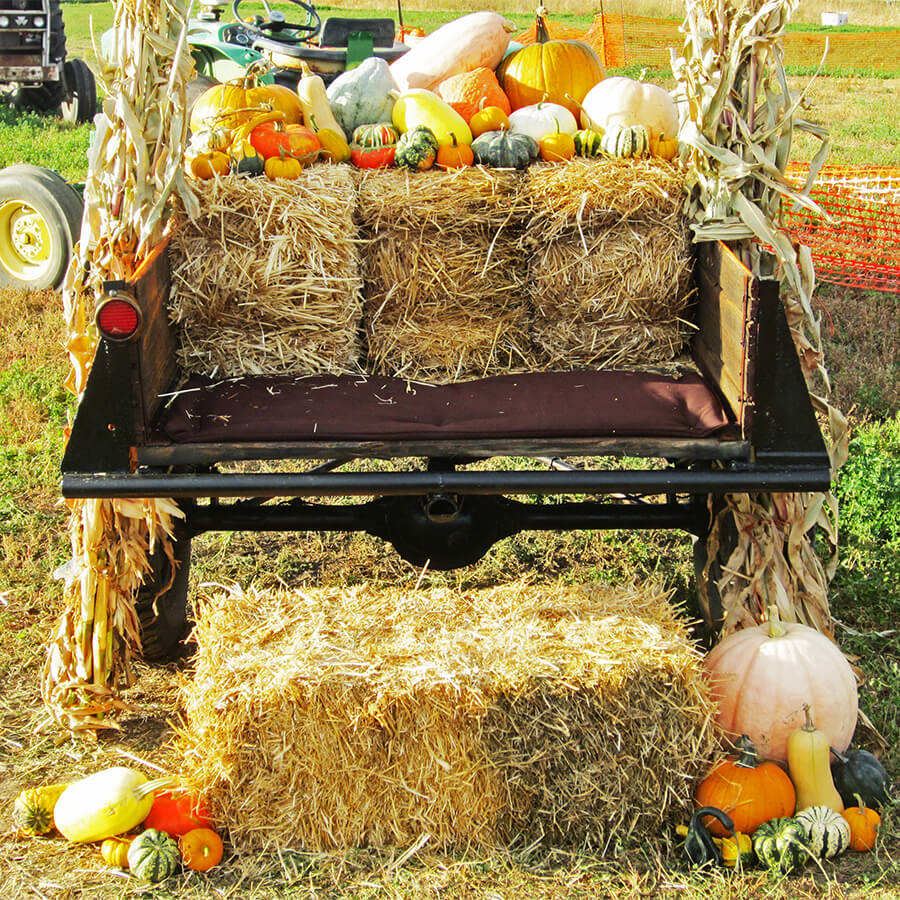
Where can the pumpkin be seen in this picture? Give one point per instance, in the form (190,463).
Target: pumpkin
(781,845)
(421,107)
(828,831)
(177,811)
(314,102)
(761,677)
(808,757)
(416,149)
(587,142)
(864,824)
(542,119)
(380,134)
(275,140)
(663,147)
(456,156)
(283,166)
(860,774)
(504,149)
(372,157)
(477,40)
(201,849)
(469,92)
(560,71)
(750,791)
(153,855)
(362,95)
(105,804)
(208,165)
(557,147)
(489,118)
(114,852)
(624,101)
(33,808)
(233,102)
(626,142)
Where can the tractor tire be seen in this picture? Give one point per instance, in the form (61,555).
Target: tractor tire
(40,219)
(163,630)
(80,101)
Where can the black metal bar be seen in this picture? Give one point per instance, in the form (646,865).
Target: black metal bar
(340,484)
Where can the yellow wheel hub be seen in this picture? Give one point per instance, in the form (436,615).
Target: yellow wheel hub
(26,241)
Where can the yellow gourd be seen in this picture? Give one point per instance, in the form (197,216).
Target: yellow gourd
(420,107)
(809,764)
(317,112)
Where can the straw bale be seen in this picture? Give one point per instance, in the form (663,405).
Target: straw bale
(447,305)
(351,717)
(266,280)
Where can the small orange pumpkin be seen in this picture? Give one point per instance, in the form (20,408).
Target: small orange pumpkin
(749,791)
(663,147)
(864,824)
(488,118)
(455,155)
(470,91)
(201,849)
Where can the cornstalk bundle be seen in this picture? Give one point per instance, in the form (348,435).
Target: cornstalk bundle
(134,165)
(739,120)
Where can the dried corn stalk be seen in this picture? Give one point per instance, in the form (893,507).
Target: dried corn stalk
(134,165)
(738,120)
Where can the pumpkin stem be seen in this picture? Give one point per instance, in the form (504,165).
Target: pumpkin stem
(542,35)
(860,805)
(776,629)
(748,758)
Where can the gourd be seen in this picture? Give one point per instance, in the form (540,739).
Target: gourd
(750,791)
(737,851)
(334,146)
(379,134)
(626,141)
(860,775)
(374,146)
(781,845)
(864,824)
(417,149)
(456,156)
(504,149)
(105,804)
(828,831)
(276,140)
(624,101)
(761,677)
(177,811)
(233,102)
(420,107)
(314,102)
(246,159)
(542,119)
(201,849)
(283,166)
(33,808)
(114,852)
(560,71)
(489,118)
(468,92)
(587,142)
(699,846)
(664,147)
(557,147)
(808,756)
(470,42)
(362,95)
(208,165)
(153,856)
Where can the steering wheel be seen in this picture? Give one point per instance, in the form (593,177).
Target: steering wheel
(275,25)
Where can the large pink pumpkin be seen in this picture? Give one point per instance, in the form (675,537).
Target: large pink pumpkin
(762,676)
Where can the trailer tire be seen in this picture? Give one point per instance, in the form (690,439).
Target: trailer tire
(40,217)
(80,101)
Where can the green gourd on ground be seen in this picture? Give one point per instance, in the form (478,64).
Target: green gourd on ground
(781,845)
(828,831)
(153,856)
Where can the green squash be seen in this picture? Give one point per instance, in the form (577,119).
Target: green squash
(153,855)
(362,95)
(781,845)
(828,831)
(626,142)
(375,135)
(860,773)
(587,142)
(505,150)
(417,149)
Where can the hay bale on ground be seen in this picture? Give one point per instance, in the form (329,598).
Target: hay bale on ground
(340,718)
(266,280)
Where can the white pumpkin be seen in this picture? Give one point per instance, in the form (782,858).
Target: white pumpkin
(542,119)
(623,101)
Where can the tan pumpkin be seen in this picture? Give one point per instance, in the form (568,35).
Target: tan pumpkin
(625,102)
(469,92)
(762,676)
(230,104)
(558,71)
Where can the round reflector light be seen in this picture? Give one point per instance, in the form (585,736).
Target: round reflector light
(118,319)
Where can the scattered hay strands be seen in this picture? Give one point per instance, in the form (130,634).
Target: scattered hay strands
(340,718)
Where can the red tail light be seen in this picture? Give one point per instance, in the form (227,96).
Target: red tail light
(118,318)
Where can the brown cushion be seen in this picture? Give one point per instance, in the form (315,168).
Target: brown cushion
(357,408)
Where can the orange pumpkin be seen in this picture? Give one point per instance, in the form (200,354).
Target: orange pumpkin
(488,118)
(201,849)
(749,791)
(468,92)
(455,155)
(557,71)
(864,824)
(233,102)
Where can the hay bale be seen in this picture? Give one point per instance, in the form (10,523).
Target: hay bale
(340,718)
(266,280)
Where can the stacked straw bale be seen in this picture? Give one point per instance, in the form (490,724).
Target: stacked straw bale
(354,717)
(266,280)
(610,269)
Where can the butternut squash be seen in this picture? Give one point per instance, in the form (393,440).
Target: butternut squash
(809,764)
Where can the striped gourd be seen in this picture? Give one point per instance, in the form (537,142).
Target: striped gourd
(587,142)
(153,855)
(626,142)
(828,831)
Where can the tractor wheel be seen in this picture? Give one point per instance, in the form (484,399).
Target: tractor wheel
(40,218)
(80,102)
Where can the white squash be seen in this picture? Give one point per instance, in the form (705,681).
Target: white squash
(542,119)
(462,45)
(623,101)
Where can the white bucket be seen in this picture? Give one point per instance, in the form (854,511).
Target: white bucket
(835,18)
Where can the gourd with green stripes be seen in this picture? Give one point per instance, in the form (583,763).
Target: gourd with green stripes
(828,831)
(153,856)
(626,142)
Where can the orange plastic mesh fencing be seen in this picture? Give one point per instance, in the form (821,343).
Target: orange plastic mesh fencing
(860,246)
